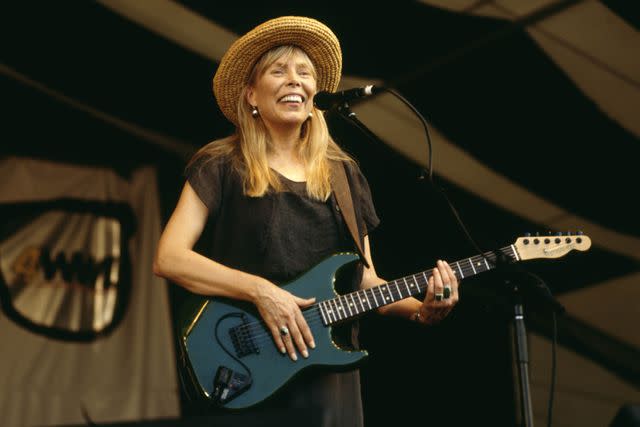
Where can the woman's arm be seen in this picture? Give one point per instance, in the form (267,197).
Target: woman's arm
(176,260)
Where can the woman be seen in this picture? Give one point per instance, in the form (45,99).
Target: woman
(267,189)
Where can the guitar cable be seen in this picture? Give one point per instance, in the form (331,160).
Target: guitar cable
(246,368)
(222,345)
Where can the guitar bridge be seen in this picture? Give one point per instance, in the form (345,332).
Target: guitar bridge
(242,339)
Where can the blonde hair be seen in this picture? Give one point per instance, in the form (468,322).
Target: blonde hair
(247,148)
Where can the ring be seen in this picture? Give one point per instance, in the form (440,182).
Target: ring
(447,292)
(284,331)
(439,297)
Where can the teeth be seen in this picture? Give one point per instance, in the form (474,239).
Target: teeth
(291,98)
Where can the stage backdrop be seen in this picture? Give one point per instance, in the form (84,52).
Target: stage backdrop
(85,330)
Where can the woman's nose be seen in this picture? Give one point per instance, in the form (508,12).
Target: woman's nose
(293,79)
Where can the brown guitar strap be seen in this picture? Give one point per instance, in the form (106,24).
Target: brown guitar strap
(345,204)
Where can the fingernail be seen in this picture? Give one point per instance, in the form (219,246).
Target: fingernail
(305,353)
(283,350)
(313,344)
(294,357)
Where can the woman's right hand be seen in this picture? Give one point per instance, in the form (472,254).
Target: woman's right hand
(282,310)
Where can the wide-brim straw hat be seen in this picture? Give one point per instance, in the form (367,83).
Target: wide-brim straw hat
(313,37)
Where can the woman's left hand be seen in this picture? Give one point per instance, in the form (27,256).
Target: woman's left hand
(442,295)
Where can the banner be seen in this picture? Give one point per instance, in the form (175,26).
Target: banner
(86,327)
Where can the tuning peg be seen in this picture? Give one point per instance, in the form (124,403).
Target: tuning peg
(579,233)
(527,234)
(537,233)
(559,233)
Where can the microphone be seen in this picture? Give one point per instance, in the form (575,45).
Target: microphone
(325,100)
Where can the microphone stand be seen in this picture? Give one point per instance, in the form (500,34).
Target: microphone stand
(518,284)
(344,109)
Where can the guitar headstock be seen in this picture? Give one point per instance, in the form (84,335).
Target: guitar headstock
(551,246)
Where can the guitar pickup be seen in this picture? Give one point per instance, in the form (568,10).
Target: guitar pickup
(242,339)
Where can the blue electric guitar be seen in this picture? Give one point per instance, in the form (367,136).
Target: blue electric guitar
(230,355)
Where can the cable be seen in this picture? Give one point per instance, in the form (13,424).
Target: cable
(347,114)
(222,345)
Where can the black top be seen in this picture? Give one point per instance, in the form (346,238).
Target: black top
(280,236)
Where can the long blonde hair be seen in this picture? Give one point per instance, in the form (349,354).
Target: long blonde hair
(247,148)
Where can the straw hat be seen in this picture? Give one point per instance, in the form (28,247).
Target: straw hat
(313,37)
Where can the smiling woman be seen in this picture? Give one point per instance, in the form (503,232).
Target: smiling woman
(281,88)
(270,192)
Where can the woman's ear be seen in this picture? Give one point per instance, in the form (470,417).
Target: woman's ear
(251,96)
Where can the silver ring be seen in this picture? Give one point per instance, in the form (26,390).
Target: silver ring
(439,297)
(284,331)
(447,292)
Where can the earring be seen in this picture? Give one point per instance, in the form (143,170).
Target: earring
(310,114)
(254,112)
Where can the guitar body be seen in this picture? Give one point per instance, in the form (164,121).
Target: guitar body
(270,370)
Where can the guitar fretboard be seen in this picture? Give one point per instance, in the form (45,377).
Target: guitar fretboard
(348,306)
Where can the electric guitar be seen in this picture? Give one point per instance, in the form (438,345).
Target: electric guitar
(230,355)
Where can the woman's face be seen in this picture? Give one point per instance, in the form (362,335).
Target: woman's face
(284,92)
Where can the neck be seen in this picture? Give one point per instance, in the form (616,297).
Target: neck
(284,143)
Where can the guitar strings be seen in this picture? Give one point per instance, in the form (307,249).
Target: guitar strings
(315,314)
(258,330)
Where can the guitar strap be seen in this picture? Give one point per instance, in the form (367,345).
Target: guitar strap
(345,204)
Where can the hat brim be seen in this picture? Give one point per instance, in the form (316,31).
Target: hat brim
(313,37)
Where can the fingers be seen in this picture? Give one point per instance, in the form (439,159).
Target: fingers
(449,283)
(442,293)
(438,285)
(278,338)
(307,336)
(288,326)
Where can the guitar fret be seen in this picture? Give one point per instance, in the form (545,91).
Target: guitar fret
(460,270)
(335,309)
(341,308)
(486,263)
(367,297)
(398,288)
(348,305)
(359,298)
(324,318)
(472,267)
(405,283)
(374,298)
(388,296)
(336,312)
(414,283)
(329,310)
(355,305)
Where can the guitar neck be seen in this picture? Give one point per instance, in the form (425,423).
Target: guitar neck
(349,306)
